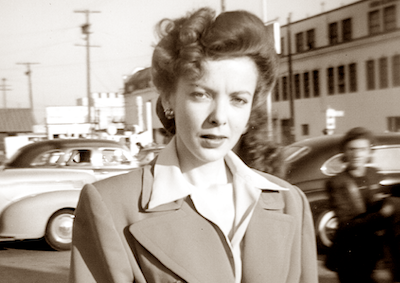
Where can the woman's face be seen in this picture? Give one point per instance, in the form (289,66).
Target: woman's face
(358,153)
(212,113)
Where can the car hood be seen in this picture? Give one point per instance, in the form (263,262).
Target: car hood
(16,184)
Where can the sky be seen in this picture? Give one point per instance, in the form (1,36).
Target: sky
(47,34)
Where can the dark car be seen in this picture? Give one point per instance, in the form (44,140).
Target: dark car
(311,162)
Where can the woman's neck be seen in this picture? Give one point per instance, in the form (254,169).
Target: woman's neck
(204,175)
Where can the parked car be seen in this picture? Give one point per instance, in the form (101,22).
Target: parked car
(41,183)
(104,157)
(147,154)
(311,162)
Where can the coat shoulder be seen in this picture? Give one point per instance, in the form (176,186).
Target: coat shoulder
(121,187)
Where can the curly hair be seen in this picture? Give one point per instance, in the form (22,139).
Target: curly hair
(187,42)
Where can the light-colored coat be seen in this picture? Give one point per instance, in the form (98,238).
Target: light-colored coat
(116,239)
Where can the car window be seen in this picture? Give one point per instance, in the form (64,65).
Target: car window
(113,157)
(48,158)
(333,165)
(79,157)
(293,153)
(387,158)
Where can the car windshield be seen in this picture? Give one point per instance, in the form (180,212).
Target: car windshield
(293,153)
(49,158)
(386,158)
(112,157)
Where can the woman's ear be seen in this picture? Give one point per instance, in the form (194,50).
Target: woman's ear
(169,124)
(165,103)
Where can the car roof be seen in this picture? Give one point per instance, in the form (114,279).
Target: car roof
(31,150)
(326,141)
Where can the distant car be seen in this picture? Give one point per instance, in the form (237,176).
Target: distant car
(104,157)
(41,183)
(311,162)
(147,154)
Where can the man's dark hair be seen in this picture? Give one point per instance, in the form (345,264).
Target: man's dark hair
(356,134)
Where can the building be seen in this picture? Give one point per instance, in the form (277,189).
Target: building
(14,122)
(140,106)
(107,114)
(344,61)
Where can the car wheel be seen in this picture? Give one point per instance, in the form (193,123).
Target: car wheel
(59,230)
(326,227)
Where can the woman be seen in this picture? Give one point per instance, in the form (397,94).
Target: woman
(198,213)
(361,208)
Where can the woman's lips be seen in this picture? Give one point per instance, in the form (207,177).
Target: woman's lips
(212,141)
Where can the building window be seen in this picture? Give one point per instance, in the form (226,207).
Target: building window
(276,91)
(389,18)
(306,85)
(305,131)
(393,124)
(383,73)
(333,34)
(370,74)
(374,22)
(341,79)
(299,42)
(311,39)
(331,81)
(316,83)
(346,29)
(284,88)
(396,70)
(353,77)
(297,89)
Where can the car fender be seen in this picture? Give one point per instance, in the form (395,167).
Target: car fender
(27,218)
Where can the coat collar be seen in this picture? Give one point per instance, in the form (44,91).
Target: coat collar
(196,250)
(184,241)
(270,199)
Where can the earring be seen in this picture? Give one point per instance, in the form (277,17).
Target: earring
(169,113)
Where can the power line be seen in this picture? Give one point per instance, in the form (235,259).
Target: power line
(29,73)
(86,31)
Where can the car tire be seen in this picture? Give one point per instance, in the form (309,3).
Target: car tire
(326,226)
(59,230)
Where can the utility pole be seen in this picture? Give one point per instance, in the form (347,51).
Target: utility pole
(86,31)
(4,88)
(223,6)
(290,80)
(29,74)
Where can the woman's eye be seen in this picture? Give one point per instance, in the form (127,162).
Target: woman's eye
(239,100)
(200,95)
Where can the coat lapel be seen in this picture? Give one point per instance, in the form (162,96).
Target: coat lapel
(186,243)
(194,249)
(265,253)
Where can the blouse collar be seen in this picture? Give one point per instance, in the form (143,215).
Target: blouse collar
(170,185)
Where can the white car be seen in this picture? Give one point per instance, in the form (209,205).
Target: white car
(40,186)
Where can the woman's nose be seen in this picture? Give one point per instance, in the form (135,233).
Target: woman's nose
(218,115)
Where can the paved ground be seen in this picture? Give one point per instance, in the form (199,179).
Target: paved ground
(33,262)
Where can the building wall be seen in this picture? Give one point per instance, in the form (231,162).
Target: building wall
(131,109)
(362,107)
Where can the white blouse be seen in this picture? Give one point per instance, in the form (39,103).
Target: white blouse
(229,206)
